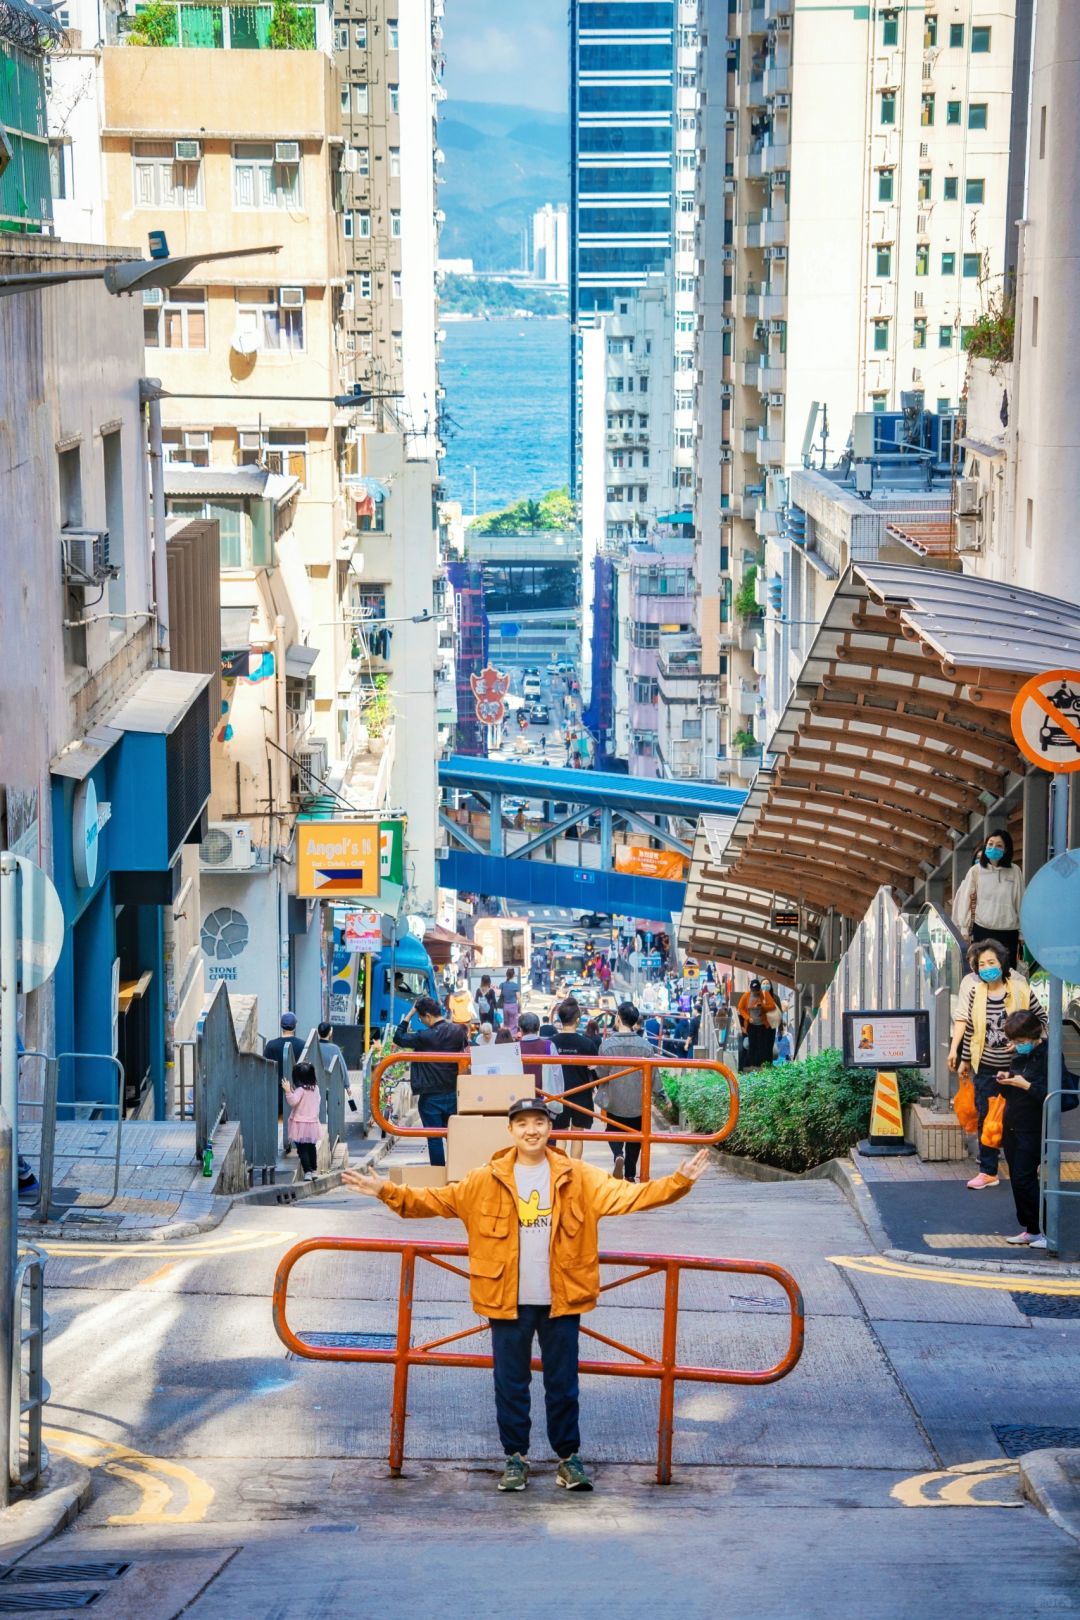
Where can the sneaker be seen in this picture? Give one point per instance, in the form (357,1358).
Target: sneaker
(619,1171)
(977,1183)
(28,1189)
(1037,1242)
(515,1474)
(572,1475)
(309,1175)
(1021,1237)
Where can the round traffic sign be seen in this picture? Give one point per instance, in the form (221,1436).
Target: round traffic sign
(39,925)
(1050,917)
(1046,720)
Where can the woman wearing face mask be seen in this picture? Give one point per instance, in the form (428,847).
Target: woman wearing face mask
(1025,1086)
(987,903)
(980,1049)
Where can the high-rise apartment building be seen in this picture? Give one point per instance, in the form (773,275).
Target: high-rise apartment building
(857,217)
(551,244)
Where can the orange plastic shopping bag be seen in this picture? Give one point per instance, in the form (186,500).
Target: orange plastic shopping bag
(964,1106)
(993,1124)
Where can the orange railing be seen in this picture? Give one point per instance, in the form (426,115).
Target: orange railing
(606,1068)
(665,1368)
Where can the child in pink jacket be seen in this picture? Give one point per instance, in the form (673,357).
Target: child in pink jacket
(304,1127)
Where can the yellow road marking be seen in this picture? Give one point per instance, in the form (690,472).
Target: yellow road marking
(957,1485)
(879,1266)
(153,1477)
(241,1243)
(155,1276)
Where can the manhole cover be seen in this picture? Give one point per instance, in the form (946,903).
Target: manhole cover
(349,1341)
(38,1602)
(1016,1438)
(64,1572)
(1066,1307)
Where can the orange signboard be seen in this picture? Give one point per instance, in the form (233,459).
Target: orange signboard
(336,858)
(1046,720)
(655,863)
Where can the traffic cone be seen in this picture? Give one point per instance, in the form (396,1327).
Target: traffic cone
(886,1120)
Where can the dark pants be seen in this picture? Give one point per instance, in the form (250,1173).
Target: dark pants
(569,1119)
(762,1048)
(511,1347)
(435,1109)
(1021,1144)
(625,1150)
(986,1086)
(308,1154)
(1009,937)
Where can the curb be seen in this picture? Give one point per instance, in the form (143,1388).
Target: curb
(1049,1479)
(223,1202)
(292,1192)
(34,1519)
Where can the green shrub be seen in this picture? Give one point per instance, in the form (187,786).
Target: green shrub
(792,1115)
(155,24)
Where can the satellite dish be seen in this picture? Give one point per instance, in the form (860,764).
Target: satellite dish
(246,342)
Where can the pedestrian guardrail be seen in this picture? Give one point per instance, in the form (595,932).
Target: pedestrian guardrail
(665,1368)
(245,1083)
(85,1112)
(29,1389)
(606,1069)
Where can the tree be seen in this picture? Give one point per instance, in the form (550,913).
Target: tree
(555,510)
(291,29)
(155,24)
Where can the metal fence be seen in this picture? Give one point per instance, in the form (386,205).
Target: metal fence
(235,1085)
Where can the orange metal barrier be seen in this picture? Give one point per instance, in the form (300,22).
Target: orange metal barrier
(666,1369)
(607,1068)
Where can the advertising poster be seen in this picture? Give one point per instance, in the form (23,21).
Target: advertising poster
(886,1042)
(361,933)
(655,863)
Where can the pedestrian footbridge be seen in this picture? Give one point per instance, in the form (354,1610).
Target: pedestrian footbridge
(546,835)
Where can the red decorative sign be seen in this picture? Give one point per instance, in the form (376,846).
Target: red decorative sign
(489,689)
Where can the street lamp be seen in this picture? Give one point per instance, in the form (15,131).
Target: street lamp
(130,275)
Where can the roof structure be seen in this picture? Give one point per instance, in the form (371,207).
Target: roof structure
(193,483)
(896,733)
(599,788)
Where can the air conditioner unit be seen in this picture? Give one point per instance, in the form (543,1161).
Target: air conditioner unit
(187,151)
(85,557)
(783,24)
(967,496)
(782,100)
(775,398)
(350,160)
(727,255)
(776,253)
(286,151)
(291,297)
(924,150)
(729,188)
(227,847)
(731,117)
(197,439)
(313,759)
(921,227)
(968,535)
(250,441)
(153,297)
(724,456)
(920,300)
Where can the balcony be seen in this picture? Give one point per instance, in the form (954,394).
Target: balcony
(750,370)
(757,17)
(777,80)
(766,522)
(750,436)
(755,91)
(777,157)
(221,27)
(778,8)
(747,766)
(770,452)
(755,164)
(643,716)
(770,378)
(749,503)
(766,229)
(750,632)
(683,756)
(749,700)
(679,657)
(764,304)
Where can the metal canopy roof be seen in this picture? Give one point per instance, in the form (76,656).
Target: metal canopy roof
(896,730)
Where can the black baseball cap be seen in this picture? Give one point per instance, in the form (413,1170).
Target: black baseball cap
(528,1105)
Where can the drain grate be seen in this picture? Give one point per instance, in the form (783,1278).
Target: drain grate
(1066,1307)
(40,1602)
(349,1341)
(1016,1438)
(63,1572)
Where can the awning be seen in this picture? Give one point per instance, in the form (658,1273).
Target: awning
(158,701)
(896,734)
(677,517)
(236,628)
(225,483)
(298,661)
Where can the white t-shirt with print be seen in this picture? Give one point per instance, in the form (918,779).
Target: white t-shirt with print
(534,1232)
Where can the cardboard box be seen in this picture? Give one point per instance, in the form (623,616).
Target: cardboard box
(471,1140)
(495,1059)
(417,1175)
(492,1093)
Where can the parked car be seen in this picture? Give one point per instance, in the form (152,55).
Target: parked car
(538,714)
(594,919)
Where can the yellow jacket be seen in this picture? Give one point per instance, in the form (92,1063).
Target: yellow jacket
(1017,999)
(486,1201)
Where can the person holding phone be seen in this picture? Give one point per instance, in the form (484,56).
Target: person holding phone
(1024,1084)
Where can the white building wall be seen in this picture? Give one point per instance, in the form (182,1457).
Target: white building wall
(75,118)
(420,93)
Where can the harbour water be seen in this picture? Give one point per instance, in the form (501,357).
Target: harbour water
(507,395)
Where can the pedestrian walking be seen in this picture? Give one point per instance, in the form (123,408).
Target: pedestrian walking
(980,1050)
(334,1060)
(784,1048)
(987,903)
(620,1097)
(486,1000)
(509,999)
(531,1217)
(534,1045)
(572,1042)
(434,1085)
(276,1048)
(485,1036)
(302,1098)
(756,1008)
(1025,1087)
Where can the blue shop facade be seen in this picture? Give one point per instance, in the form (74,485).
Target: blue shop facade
(125,800)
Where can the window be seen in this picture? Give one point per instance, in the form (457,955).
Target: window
(392,93)
(922,259)
(260,182)
(245,536)
(951,189)
(161,182)
(363,161)
(980,39)
(395,283)
(341,35)
(1042,132)
(930,33)
(948,264)
(926,178)
(977,115)
(974,191)
(392,33)
(890,25)
(952,112)
(283,450)
(881,336)
(363,284)
(1034,323)
(972,264)
(878,403)
(888,106)
(646,689)
(944,405)
(190,446)
(615,385)
(885,185)
(944,337)
(177,323)
(395,222)
(883,261)
(345,98)
(280,331)
(395,163)
(347,226)
(919,339)
(360,100)
(360,36)
(646,636)
(927,116)
(361,222)
(956,36)
(69,465)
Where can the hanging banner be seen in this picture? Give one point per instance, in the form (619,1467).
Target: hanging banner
(361,933)
(654,863)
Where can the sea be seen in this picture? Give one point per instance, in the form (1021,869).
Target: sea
(507,397)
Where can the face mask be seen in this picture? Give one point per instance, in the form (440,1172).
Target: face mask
(990,975)
(1024,1047)
(994,855)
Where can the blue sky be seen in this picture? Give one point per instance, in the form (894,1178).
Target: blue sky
(507,50)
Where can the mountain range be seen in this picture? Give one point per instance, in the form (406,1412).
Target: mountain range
(502,163)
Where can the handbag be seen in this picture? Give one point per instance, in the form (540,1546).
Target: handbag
(993,1124)
(967,1114)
